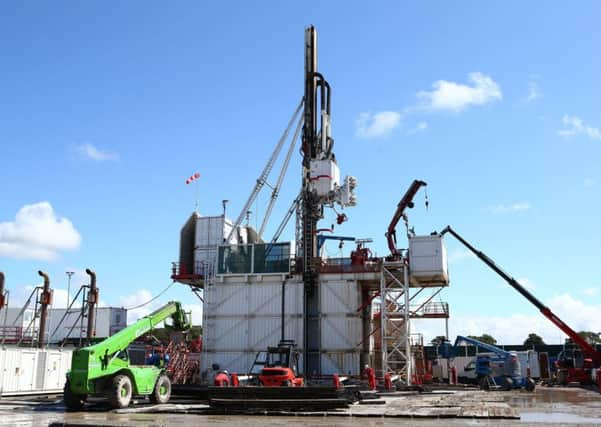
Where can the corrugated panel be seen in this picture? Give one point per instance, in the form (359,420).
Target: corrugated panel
(209,231)
(428,259)
(226,300)
(40,371)
(260,299)
(24,371)
(57,364)
(242,319)
(27,370)
(250,333)
(340,332)
(232,361)
(340,363)
(10,370)
(339,296)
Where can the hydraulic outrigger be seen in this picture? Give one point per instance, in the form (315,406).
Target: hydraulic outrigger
(104,369)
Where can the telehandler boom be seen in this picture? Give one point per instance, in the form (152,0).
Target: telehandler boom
(104,369)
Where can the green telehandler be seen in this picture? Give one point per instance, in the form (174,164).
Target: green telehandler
(104,369)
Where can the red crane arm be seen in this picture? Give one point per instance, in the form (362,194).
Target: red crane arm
(406,201)
(587,349)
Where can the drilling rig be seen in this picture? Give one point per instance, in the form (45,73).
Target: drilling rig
(320,187)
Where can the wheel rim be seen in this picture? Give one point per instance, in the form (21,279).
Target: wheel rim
(162,390)
(124,391)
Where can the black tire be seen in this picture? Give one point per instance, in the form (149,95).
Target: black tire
(162,390)
(73,402)
(484,384)
(120,391)
(286,383)
(530,384)
(507,383)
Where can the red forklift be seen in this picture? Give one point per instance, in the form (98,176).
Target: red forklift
(581,364)
(278,366)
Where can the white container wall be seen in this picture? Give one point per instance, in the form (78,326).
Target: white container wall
(211,232)
(340,321)
(344,363)
(529,359)
(428,261)
(109,320)
(30,371)
(241,319)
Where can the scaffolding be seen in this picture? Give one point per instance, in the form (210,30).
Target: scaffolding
(395,346)
(400,351)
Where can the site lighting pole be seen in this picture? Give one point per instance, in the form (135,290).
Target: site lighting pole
(69,273)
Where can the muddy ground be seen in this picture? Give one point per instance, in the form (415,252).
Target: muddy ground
(559,406)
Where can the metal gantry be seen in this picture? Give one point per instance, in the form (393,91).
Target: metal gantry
(394,320)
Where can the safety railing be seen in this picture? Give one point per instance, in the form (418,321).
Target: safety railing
(345,265)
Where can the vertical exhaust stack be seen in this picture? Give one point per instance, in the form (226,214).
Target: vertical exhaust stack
(2,295)
(92,301)
(45,301)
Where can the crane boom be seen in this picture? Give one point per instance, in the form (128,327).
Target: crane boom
(488,347)
(406,201)
(262,180)
(588,349)
(276,189)
(101,360)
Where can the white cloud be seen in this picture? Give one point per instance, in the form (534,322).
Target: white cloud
(589,182)
(135,299)
(420,127)
(377,125)
(21,293)
(460,255)
(534,91)
(456,97)
(37,233)
(527,283)
(511,208)
(514,328)
(90,151)
(142,295)
(574,125)
(590,292)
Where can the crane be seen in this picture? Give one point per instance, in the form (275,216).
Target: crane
(104,369)
(570,369)
(262,180)
(406,202)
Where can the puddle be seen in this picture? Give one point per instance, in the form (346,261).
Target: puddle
(556,418)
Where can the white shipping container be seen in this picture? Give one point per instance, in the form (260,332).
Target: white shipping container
(211,232)
(109,320)
(31,371)
(529,359)
(428,261)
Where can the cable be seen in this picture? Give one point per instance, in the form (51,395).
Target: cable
(152,299)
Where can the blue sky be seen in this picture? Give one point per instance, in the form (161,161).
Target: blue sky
(106,108)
